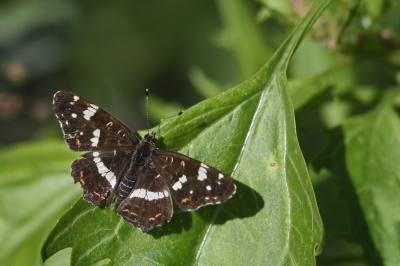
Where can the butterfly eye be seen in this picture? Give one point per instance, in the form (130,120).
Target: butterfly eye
(153,141)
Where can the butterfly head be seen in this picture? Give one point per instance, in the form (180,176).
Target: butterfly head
(150,139)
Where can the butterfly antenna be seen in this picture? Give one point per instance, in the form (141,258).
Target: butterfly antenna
(181,112)
(147,110)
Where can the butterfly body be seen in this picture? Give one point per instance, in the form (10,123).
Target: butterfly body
(140,157)
(143,176)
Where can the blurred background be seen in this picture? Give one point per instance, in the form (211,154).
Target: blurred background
(185,52)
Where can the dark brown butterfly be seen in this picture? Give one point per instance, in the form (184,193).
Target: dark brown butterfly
(144,177)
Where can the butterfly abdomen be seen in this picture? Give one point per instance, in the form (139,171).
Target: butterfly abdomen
(127,182)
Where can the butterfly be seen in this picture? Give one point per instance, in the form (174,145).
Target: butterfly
(141,176)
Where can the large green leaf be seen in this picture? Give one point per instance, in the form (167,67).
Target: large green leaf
(35,189)
(247,132)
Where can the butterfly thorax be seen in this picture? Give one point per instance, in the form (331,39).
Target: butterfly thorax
(146,146)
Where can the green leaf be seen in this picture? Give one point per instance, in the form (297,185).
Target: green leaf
(370,157)
(35,189)
(364,158)
(247,132)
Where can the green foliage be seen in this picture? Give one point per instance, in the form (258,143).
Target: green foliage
(247,132)
(35,190)
(342,88)
(361,153)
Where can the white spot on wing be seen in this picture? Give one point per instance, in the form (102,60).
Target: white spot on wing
(183,163)
(177,185)
(142,193)
(220,176)
(88,113)
(208,187)
(74,115)
(183,179)
(204,165)
(95,140)
(134,193)
(94,106)
(166,193)
(152,195)
(76,98)
(191,192)
(202,173)
(104,171)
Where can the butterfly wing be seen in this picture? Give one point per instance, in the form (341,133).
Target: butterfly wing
(100,173)
(87,127)
(193,184)
(149,204)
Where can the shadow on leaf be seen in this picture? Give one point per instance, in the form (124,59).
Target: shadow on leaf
(245,203)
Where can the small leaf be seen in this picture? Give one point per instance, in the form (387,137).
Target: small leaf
(35,190)
(247,132)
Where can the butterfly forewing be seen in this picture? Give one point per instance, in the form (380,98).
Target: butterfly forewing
(149,204)
(87,127)
(100,173)
(193,184)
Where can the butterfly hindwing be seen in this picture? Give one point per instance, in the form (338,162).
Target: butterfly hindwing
(87,127)
(100,173)
(149,204)
(193,184)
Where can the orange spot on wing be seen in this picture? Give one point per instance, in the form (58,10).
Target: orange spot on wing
(83,183)
(81,174)
(158,215)
(152,219)
(187,199)
(126,210)
(97,194)
(78,142)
